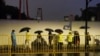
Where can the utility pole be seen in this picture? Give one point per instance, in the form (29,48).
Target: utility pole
(86,19)
(86,25)
(20,9)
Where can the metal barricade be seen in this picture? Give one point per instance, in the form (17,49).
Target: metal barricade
(42,46)
(5,45)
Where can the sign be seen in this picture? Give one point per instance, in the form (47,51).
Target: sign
(66,27)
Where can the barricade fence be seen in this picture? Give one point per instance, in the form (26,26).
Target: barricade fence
(44,45)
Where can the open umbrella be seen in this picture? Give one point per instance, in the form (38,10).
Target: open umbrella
(50,36)
(38,32)
(49,30)
(84,27)
(58,31)
(24,29)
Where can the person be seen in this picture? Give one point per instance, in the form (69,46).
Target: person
(76,39)
(39,43)
(76,42)
(69,40)
(50,38)
(27,41)
(88,38)
(59,42)
(13,39)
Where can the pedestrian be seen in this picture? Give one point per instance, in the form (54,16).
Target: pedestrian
(39,43)
(76,39)
(50,37)
(13,39)
(69,39)
(88,38)
(27,41)
(60,41)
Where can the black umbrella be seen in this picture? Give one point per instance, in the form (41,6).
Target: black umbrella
(38,32)
(58,31)
(49,30)
(24,29)
(83,27)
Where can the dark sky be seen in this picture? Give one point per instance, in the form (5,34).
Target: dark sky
(54,9)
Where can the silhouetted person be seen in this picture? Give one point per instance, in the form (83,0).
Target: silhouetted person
(88,38)
(13,39)
(50,37)
(76,39)
(76,42)
(39,43)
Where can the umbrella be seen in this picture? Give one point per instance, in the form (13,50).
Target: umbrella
(25,29)
(49,30)
(83,27)
(58,31)
(38,32)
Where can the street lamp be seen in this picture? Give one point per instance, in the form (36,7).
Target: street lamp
(86,21)
(86,24)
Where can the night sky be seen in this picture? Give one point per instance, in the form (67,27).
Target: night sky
(54,9)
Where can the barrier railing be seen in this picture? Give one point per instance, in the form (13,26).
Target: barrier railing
(42,46)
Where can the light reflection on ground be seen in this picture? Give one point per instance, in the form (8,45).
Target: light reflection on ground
(65,54)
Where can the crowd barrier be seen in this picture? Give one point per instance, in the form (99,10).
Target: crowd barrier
(44,46)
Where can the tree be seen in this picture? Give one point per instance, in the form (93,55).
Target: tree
(2,9)
(11,11)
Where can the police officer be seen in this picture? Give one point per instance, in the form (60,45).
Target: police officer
(60,41)
(69,40)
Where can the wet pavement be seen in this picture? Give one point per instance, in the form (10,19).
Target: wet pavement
(64,54)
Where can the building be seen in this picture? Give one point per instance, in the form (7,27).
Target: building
(93,13)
